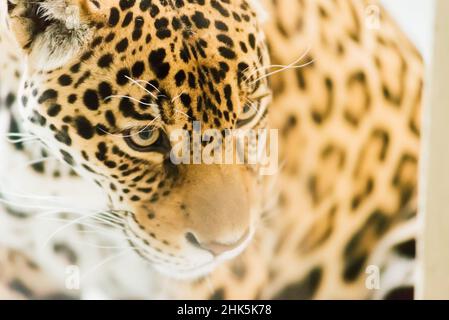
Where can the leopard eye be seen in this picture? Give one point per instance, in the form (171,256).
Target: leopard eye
(143,139)
(254,109)
(249,112)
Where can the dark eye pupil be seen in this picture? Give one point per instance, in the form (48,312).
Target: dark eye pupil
(145,134)
(246,108)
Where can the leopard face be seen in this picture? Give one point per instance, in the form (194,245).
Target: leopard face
(106,84)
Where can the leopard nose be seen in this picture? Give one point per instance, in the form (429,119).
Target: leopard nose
(215,247)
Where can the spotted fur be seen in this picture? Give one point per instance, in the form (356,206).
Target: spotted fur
(94,71)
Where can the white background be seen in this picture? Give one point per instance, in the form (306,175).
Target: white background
(416,18)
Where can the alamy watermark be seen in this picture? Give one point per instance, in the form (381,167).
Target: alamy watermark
(372,281)
(72,279)
(373,17)
(258,147)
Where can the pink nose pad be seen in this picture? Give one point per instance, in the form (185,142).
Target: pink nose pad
(216,248)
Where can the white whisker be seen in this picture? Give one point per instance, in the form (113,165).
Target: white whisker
(101,246)
(283,69)
(28,196)
(133,99)
(140,86)
(177,97)
(150,124)
(71,223)
(22,140)
(102,263)
(247,78)
(151,85)
(306,52)
(183,113)
(105,232)
(25,206)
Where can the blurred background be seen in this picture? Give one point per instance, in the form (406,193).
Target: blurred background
(416,18)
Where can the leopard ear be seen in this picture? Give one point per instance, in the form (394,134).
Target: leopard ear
(51,32)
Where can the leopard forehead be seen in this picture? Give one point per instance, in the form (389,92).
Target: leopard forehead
(177,60)
(167,62)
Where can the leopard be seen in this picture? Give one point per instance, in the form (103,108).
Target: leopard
(93,205)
